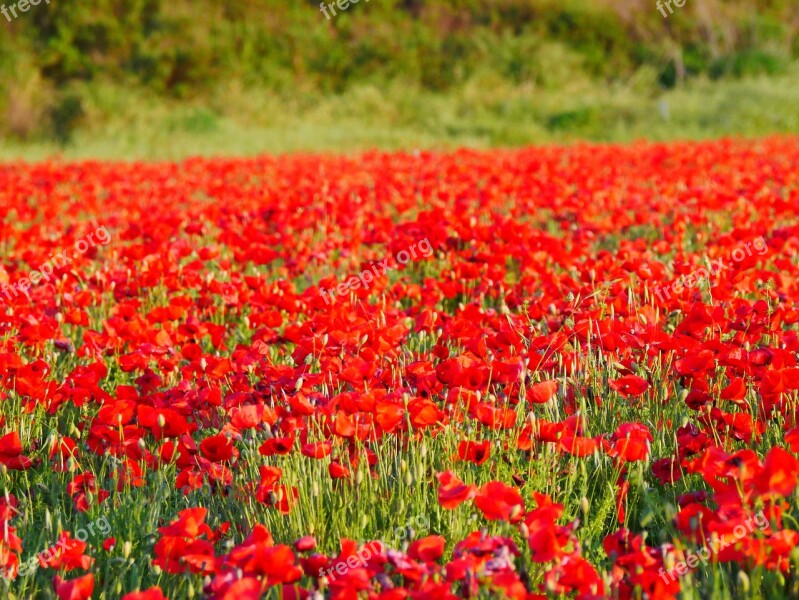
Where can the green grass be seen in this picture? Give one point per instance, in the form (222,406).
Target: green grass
(486,112)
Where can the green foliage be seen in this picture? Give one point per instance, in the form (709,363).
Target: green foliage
(747,63)
(171,45)
(187,51)
(65,116)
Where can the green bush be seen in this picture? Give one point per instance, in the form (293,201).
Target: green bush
(747,63)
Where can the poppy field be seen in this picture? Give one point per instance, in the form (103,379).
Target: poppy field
(553,372)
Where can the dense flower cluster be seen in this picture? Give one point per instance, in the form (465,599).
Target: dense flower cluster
(568,431)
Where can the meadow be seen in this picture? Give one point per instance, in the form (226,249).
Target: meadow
(409,299)
(510,406)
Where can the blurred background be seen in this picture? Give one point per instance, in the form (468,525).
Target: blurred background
(165,79)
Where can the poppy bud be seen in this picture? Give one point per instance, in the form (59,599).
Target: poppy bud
(670,511)
(552,586)
(646,519)
(298,385)
(408,479)
(161,420)
(142,444)
(585,506)
(524,530)
(743,581)
(203,363)
(126,548)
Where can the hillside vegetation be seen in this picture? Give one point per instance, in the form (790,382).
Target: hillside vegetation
(70,68)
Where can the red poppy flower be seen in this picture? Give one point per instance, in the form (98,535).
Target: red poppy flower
(190,524)
(452,492)
(476,452)
(540,393)
(779,473)
(631,442)
(80,588)
(218,448)
(318,449)
(498,501)
(11,452)
(305,544)
(629,385)
(153,593)
(427,549)
(276,446)
(67,554)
